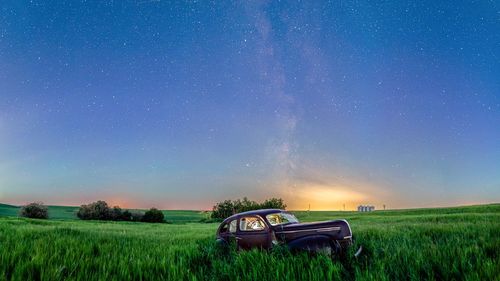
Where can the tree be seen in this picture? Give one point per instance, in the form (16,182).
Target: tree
(153,215)
(95,211)
(34,210)
(245,205)
(227,208)
(223,209)
(116,213)
(136,216)
(126,215)
(273,203)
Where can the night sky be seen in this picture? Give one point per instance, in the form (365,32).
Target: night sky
(179,105)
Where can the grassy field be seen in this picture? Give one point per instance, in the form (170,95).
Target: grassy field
(423,244)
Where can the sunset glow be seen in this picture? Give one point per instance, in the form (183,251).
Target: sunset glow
(326,198)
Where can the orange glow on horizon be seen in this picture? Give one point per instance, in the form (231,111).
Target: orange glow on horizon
(120,202)
(326,198)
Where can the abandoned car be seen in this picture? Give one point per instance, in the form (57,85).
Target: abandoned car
(267,228)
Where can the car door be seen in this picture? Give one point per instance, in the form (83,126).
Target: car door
(253,233)
(228,231)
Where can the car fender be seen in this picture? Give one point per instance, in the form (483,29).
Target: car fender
(305,243)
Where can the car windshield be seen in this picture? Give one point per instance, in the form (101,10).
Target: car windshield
(281,218)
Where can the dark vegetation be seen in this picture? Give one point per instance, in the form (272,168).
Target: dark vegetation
(153,215)
(100,210)
(70,213)
(34,210)
(227,208)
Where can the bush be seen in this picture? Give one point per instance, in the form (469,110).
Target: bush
(101,211)
(273,203)
(35,211)
(227,208)
(95,211)
(153,215)
(136,216)
(223,209)
(116,214)
(126,215)
(246,205)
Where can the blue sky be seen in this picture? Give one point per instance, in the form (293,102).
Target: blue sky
(182,104)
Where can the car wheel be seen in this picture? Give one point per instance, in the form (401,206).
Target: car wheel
(222,245)
(323,247)
(336,249)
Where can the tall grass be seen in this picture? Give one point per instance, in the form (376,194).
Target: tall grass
(435,244)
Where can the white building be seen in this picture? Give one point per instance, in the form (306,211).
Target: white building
(366,208)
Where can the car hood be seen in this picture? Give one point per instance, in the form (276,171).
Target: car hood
(334,228)
(310,225)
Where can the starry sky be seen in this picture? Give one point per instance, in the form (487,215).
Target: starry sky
(181,104)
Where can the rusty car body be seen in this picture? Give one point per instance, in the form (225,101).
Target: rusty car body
(270,227)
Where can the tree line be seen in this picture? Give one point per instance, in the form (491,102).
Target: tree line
(100,210)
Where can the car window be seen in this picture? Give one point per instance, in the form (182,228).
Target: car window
(251,224)
(281,218)
(224,228)
(232,226)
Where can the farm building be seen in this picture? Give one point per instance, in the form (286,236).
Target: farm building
(365,208)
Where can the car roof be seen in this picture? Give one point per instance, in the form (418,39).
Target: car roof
(261,212)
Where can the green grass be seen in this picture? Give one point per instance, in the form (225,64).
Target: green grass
(55,212)
(8,210)
(422,244)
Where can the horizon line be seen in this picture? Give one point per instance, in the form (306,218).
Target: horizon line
(292,210)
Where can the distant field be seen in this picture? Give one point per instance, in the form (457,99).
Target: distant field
(422,244)
(8,210)
(69,213)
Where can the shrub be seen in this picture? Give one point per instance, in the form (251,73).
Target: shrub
(116,214)
(34,210)
(126,215)
(153,215)
(246,205)
(227,208)
(101,211)
(273,203)
(136,216)
(223,209)
(95,211)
